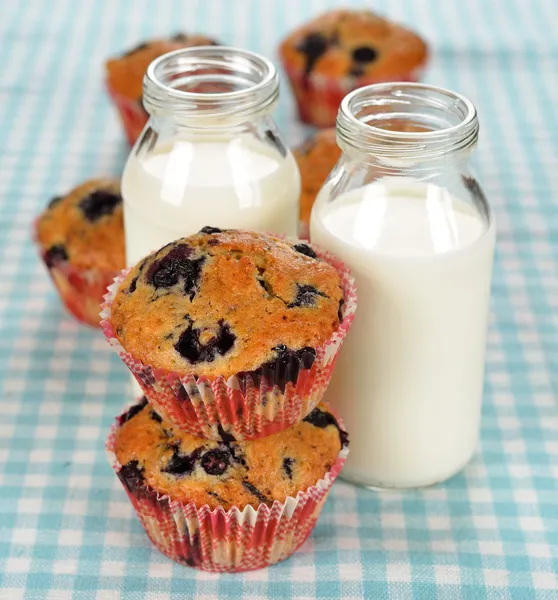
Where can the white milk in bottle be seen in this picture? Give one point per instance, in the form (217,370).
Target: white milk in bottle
(402,210)
(184,185)
(210,154)
(409,379)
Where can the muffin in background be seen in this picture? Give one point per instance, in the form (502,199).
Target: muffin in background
(124,77)
(316,157)
(231,334)
(226,506)
(81,240)
(342,50)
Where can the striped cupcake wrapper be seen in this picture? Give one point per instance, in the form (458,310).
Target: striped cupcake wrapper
(318,97)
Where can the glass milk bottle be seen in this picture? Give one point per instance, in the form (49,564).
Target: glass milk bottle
(210,154)
(403,208)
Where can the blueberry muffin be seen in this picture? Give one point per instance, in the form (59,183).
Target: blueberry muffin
(342,50)
(224,302)
(81,239)
(231,333)
(226,506)
(227,473)
(316,158)
(124,77)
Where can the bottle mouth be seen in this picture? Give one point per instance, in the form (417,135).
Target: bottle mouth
(407,120)
(210,82)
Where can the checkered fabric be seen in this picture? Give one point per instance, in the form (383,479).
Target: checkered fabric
(67,529)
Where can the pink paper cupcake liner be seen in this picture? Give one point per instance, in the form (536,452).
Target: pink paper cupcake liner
(318,97)
(225,541)
(132,115)
(81,290)
(304,230)
(247,405)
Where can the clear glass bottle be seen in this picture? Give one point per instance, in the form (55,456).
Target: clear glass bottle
(403,208)
(211,154)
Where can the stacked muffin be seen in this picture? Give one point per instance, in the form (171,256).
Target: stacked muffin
(232,336)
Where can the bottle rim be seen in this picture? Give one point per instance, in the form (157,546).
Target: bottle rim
(247,83)
(433,139)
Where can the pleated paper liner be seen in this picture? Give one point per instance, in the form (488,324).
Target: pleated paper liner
(225,541)
(131,113)
(81,290)
(318,97)
(247,405)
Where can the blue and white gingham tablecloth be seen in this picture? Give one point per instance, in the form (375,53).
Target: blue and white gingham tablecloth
(67,529)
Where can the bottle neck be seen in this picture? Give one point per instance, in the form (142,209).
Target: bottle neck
(210,87)
(399,126)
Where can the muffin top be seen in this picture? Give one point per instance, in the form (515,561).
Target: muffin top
(353,43)
(190,469)
(316,158)
(85,227)
(225,302)
(125,73)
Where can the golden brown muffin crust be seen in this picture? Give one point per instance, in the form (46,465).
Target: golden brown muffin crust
(316,158)
(125,73)
(190,469)
(354,43)
(225,302)
(86,226)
